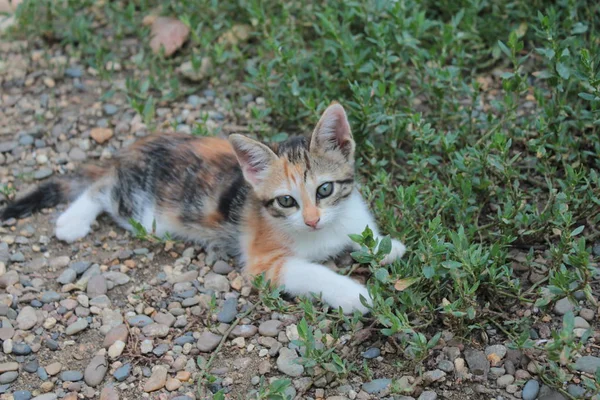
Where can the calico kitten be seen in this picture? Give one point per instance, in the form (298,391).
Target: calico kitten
(280,210)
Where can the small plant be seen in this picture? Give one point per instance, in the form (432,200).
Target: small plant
(142,233)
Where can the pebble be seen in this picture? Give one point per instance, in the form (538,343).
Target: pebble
(587,314)
(8,377)
(172,384)
(587,364)
(27,318)
(80,266)
(74,72)
(49,297)
(139,321)
(497,349)
(21,349)
(433,376)
(208,341)
(446,366)
(155,330)
(95,371)
(67,276)
(376,385)
(118,332)
(477,362)
(122,372)
(157,380)
(576,391)
(164,319)
(46,396)
(216,282)
(287,363)
(116,349)
(373,352)
(222,268)
(9,366)
(428,395)
(71,376)
(563,306)
(530,390)
(244,331)
(96,286)
(505,380)
(270,328)
(42,173)
(77,326)
(53,369)
(59,262)
(22,395)
(581,323)
(228,311)
(109,393)
(110,109)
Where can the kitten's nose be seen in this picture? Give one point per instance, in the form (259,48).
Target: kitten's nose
(312,222)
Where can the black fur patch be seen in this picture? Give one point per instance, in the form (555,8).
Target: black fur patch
(46,195)
(232,200)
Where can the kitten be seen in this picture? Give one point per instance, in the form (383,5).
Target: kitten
(280,210)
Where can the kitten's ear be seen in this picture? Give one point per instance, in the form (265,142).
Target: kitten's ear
(332,132)
(254,157)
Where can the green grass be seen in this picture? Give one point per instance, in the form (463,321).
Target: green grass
(477,128)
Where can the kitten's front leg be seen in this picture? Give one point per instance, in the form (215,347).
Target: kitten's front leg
(301,277)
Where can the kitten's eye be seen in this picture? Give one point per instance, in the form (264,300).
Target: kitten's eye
(325,190)
(286,201)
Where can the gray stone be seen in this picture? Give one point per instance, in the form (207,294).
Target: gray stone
(96,286)
(216,282)
(46,396)
(287,362)
(531,390)
(77,326)
(165,319)
(446,366)
(433,376)
(576,391)
(5,147)
(101,301)
(581,323)
(118,278)
(376,385)
(587,364)
(110,109)
(222,268)
(498,349)
(77,154)
(71,376)
(155,330)
(122,372)
(428,395)
(80,266)
(270,328)
(373,352)
(505,380)
(563,306)
(547,393)
(95,371)
(244,331)
(67,276)
(9,377)
(49,297)
(228,311)
(74,72)
(26,318)
(18,257)
(477,362)
(42,173)
(208,341)
(22,395)
(21,349)
(139,320)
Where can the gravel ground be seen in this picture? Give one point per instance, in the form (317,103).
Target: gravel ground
(114,317)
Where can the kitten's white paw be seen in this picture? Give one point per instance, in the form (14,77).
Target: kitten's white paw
(349,301)
(398,250)
(69,228)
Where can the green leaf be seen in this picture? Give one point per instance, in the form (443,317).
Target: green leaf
(504,49)
(362,257)
(577,230)
(382,275)
(385,247)
(563,71)
(542,302)
(428,272)
(356,238)
(587,96)
(579,28)
(452,264)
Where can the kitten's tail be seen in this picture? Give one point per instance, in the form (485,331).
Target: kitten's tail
(52,193)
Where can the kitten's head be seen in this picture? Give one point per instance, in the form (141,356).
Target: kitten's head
(302,184)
